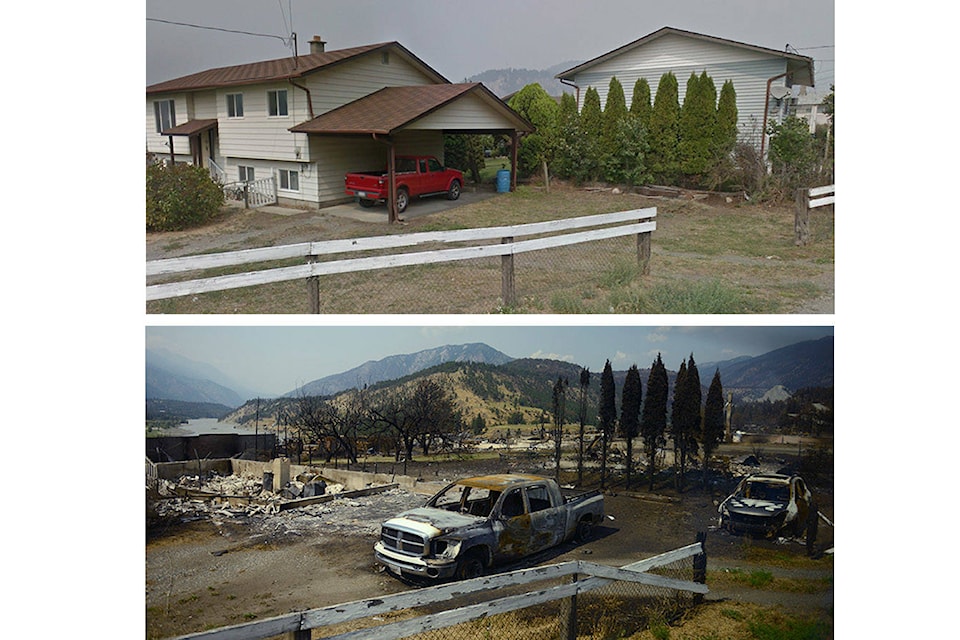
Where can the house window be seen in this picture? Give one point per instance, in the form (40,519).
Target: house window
(246,174)
(165,114)
(289,180)
(277,102)
(385,57)
(234,105)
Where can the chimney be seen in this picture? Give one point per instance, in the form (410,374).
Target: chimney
(317,45)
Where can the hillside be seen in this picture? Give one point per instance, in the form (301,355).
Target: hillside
(166,385)
(524,387)
(398,366)
(176,410)
(805,364)
(504,82)
(173,377)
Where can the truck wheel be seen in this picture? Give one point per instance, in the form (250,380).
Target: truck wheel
(584,530)
(471,566)
(454,192)
(403,199)
(367,203)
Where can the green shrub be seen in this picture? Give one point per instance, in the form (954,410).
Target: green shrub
(180,196)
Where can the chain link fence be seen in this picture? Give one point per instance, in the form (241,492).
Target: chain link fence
(566,601)
(554,280)
(598,607)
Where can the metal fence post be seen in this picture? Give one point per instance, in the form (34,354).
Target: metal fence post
(313,287)
(507,289)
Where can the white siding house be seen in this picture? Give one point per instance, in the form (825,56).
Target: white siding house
(265,119)
(761,77)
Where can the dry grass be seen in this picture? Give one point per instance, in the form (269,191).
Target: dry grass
(705,259)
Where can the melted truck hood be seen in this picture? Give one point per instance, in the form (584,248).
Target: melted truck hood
(752,506)
(432,522)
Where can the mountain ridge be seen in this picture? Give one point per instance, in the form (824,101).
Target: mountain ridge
(398,366)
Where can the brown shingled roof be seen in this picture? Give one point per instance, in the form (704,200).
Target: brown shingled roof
(190,127)
(271,70)
(392,108)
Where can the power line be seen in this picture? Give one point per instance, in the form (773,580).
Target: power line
(826,46)
(285,40)
(284,16)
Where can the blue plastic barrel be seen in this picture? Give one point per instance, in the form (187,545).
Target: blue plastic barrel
(503,181)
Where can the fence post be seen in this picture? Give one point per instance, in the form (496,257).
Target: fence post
(507,290)
(572,614)
(802,217)
(301,633)
(246,195)
(700,565)
(643,252)
(313,287)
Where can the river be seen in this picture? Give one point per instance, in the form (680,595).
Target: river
(200,426)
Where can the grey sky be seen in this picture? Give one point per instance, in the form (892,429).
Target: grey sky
(461,39)
(279,359)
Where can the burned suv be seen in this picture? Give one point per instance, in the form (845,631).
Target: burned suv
(767,504)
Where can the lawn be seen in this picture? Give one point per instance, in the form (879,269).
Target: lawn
(709,256)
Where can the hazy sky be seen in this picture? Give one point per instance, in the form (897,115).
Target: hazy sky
(276,360)
(461,39)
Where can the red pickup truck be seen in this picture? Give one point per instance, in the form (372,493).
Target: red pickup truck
(416,176)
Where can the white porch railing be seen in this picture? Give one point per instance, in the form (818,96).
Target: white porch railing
(253,194)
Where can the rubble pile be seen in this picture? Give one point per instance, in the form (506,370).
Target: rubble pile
(244,502)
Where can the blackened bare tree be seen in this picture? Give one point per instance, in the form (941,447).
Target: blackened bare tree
(434,414)
(559,417)
(333,423)
(584,383)
(390,413)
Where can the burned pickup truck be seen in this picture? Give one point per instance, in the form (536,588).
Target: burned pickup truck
(767,504)
(476,523)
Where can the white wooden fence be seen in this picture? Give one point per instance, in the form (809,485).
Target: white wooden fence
(297,626)
(808,199)
(638,221)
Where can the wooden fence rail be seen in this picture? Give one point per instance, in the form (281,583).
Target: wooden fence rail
(640,222)
(297,626)
(808,199)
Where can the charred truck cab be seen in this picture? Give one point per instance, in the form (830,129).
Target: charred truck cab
(475,523)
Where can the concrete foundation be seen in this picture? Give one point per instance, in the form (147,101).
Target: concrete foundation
(282,470)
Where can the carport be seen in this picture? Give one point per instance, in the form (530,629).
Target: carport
(392,112)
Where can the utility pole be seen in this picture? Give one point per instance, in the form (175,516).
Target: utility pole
(728,437)
(256,432)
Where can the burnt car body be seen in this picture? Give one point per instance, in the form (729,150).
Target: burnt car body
(767,504)
(476,523)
